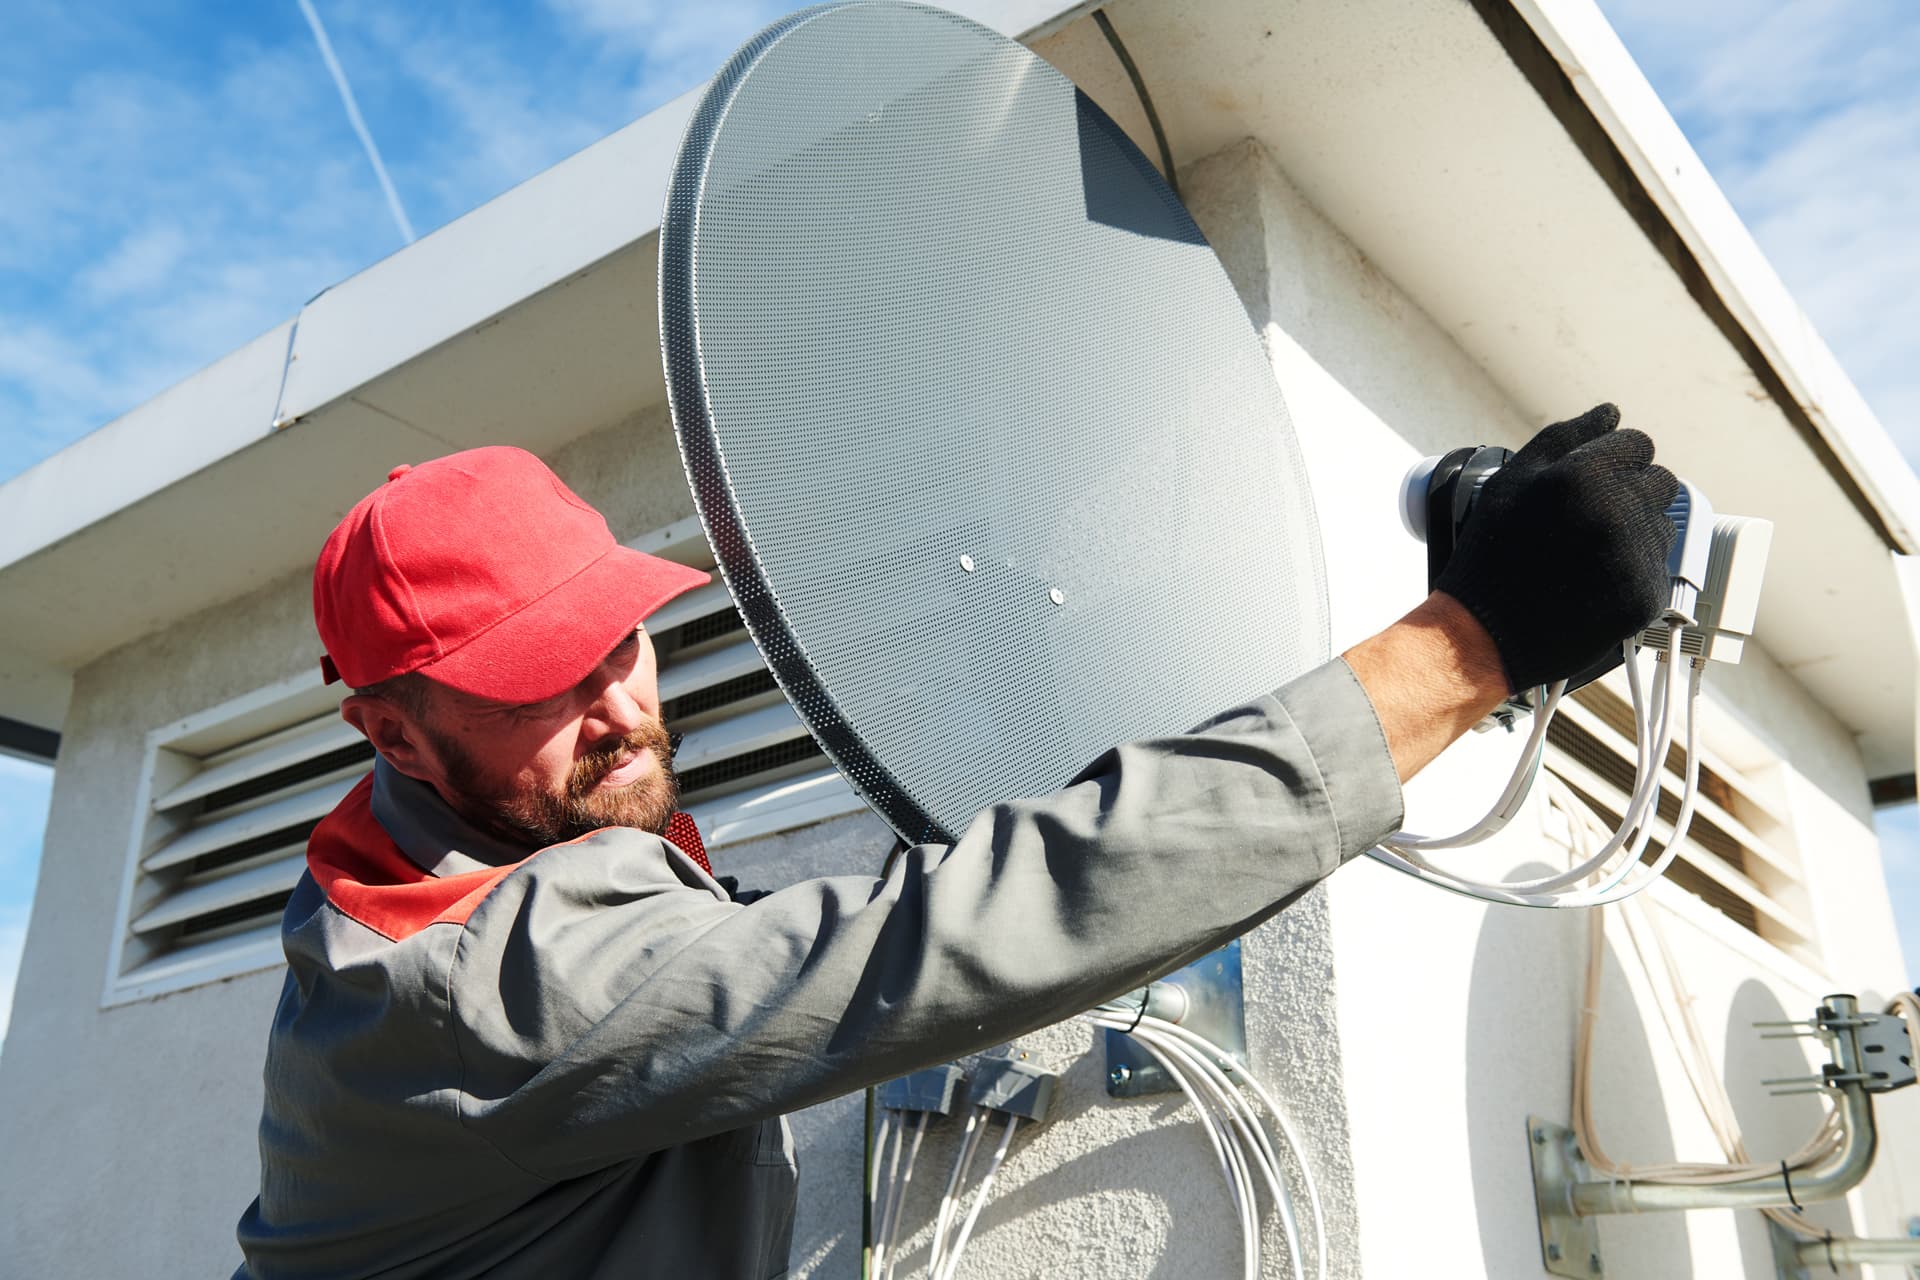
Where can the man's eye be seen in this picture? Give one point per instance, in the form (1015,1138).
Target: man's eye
(536,710)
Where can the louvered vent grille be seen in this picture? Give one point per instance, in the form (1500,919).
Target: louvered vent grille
(231,795)
(1738,857)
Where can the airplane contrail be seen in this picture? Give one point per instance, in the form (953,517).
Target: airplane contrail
(353,115)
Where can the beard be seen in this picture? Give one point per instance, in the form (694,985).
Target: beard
(542,818)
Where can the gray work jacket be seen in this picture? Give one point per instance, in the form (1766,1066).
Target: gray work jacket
(574,1061)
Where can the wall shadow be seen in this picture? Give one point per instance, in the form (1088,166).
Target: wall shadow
(1522,1016)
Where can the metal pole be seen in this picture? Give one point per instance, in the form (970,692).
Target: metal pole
(1830,1181)
(1845,1251)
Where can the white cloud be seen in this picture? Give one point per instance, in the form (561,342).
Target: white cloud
(151,226)
(1808,114)
(164,208)
(668,31)
(504,126)
(141,262)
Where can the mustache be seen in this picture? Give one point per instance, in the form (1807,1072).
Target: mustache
(589,769)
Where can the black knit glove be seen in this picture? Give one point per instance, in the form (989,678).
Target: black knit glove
(1565,554)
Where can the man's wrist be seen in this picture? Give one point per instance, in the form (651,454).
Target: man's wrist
(1432,676)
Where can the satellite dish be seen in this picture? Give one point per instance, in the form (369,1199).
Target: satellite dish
(988,452)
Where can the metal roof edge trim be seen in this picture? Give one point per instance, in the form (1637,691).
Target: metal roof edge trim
(1583,73)
(210,415)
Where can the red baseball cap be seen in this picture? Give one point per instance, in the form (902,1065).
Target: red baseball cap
(481,571)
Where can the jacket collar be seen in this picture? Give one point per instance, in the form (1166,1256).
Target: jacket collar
(435,838)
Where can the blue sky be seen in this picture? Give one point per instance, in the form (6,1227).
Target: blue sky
(181,176)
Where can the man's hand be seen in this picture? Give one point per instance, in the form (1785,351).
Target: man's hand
(1565,554)
(1431,676)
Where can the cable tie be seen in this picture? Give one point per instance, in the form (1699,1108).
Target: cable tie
(1830,1263)
(1787,1178)
(1139,1015)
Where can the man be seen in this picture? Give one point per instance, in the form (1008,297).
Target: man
(526,1033)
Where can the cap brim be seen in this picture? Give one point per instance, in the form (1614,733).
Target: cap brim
(556,642)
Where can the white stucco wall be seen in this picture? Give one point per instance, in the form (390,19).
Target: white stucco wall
(1410,1031)
(1457,1019)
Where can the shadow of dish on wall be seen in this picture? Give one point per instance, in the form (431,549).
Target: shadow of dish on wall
(1523,1012)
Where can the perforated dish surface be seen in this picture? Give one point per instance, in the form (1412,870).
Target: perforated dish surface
(993,462)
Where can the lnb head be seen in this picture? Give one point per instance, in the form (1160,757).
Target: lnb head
(1438,494)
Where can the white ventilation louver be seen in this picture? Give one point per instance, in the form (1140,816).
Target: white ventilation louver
(229,796)
(1738,856)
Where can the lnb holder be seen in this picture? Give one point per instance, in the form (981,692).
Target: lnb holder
(931,1091)
(1011,1087)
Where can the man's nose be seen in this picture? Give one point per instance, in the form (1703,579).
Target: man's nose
(615,713)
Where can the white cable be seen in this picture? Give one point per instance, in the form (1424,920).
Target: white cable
(878,1258)
(1178,1051)
(962,1160)
(1289,1134)
(1159,1029)
(1510,801)
(886,1255)
(1210,1124)
(979,1200)
(1646,775)
(1251,1148)
(1624,848)
(1247,1145)
(879,1147)
(1225,1146)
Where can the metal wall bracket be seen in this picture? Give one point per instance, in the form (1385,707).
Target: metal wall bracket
(1886,1052)
(1569,1243)
(1786,1253)
(1216,1009)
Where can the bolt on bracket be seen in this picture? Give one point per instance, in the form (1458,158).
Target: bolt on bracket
(1569,1243)
(1213,1003)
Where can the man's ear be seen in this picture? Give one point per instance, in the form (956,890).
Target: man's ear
(392,732)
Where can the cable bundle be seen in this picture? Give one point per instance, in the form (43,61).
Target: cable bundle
(898,1181)
(944,1258)
(1001,1086)
(1676,1010)
(1239,1139)
(1610,867)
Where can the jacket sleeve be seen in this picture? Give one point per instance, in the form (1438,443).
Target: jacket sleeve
(605,1004)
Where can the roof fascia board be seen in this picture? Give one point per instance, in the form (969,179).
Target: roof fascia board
(549,228)
(188,427)
(1577,64)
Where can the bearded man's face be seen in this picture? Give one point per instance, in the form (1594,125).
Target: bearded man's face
(595,756)
(629,783)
